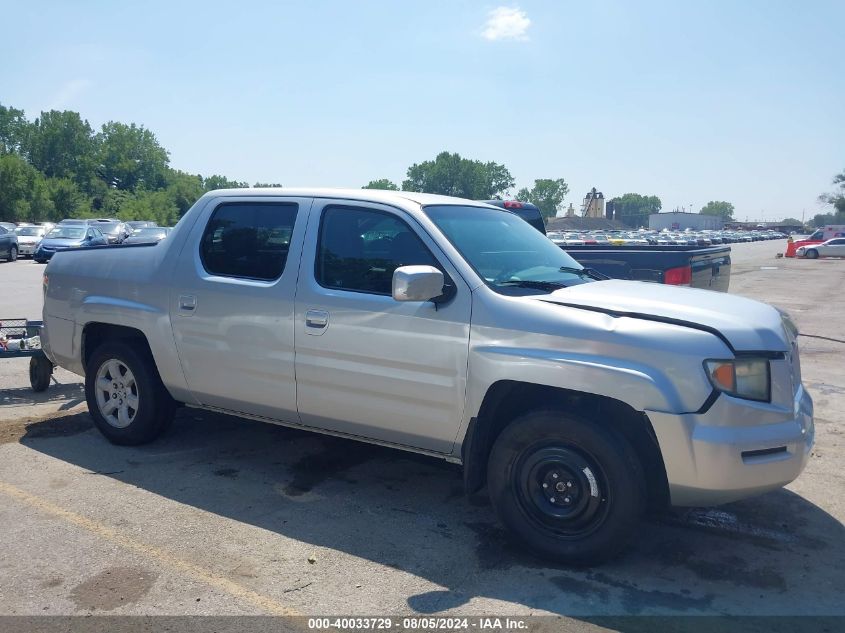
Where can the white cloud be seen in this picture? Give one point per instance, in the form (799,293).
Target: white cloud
(68,92)
(506,23)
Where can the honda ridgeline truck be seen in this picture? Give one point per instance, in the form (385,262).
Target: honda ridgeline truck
(446,327)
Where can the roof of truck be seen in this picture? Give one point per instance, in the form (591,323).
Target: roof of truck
(365,195)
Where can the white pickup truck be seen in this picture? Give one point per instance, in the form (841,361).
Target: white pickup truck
(449,328)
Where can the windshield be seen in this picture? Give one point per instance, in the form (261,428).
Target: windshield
(68,232)
(508,253)
(29,230)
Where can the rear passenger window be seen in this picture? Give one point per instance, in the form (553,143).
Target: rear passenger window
(359,250)
(248,239)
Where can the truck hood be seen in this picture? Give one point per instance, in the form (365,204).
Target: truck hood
(745,325)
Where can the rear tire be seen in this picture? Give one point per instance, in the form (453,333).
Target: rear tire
(126,398)
(13,253)
(812,254)
(570,489)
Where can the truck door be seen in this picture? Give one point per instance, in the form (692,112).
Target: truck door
(232,304)
(367,365)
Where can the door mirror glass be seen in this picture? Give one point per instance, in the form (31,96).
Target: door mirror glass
(417,283)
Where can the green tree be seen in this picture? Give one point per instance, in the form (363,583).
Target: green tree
(60,145)
(17,181)
(129,156)
(451,175)
(184,189)
(547,194)
(836,198)
(724,210)
(633,209)
(381,183)
(157,206)
(822,219)
(13,129)
(221,182)
(68,201)
(791,221)
(41,207)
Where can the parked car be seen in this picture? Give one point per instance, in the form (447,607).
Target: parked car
(67,236)
(134,225)
(830,248)
(821,235)
(28,238)
(9,226)
(8,244)
(147,235)
(114,231)
(445,327)
(527,211)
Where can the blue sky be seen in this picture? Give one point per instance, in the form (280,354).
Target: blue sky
(737,100)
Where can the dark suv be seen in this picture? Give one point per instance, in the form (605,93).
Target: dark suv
(527,211)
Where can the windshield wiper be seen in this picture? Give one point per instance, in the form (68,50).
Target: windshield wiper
(532,283)
(584,272)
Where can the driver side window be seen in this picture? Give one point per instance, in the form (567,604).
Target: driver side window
(358,250)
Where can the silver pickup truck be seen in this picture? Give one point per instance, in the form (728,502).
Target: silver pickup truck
(446,327)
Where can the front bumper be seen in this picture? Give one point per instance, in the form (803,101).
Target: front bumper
(737,449)
(43,255)
(26,249)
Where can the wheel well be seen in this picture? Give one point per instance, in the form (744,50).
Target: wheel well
(507,399)
(95,334)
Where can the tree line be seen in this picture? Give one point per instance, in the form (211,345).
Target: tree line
(57,166)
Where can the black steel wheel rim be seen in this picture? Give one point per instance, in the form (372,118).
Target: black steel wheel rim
(562,489)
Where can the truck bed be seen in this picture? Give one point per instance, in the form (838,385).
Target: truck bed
(709,267)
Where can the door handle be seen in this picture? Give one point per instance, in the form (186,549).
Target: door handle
(317,319)
(187,303)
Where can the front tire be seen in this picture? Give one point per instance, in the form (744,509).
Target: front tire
(570,489)
(13,254)
(812,254)
(126,398)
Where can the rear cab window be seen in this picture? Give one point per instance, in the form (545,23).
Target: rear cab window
(248,240)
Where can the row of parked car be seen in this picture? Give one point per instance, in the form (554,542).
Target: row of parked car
(41,241)
(663,238)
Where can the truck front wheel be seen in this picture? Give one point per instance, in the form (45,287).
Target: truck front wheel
(125,395)
(570,489)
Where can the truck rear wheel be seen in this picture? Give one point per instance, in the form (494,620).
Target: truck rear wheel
(570,489)
(125,395)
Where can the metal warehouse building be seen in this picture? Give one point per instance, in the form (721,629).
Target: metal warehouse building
(678,221)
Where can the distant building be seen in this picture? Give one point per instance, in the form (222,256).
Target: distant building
(593,206)
(679,221)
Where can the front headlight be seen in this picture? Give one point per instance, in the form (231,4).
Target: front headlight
(743,378)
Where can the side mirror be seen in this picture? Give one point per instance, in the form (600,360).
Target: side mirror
(417,283)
